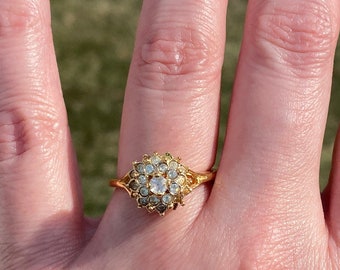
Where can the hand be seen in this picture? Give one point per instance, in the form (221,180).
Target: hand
(264,210)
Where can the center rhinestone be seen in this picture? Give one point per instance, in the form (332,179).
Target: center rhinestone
(158,185)
(158,182)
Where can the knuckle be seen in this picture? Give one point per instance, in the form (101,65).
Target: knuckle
(303,33)
(29,130)
(19,16)
(185,55)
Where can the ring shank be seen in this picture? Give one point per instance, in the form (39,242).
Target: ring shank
(197,179)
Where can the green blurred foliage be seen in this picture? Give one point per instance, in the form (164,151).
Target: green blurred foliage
(94,43)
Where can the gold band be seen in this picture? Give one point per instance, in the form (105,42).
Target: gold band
(160,182)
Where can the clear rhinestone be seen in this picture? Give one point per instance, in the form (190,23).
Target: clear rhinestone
(166,198)
(173,165)
(158,185)
(134,185)
(140,167)
(162,167)
(142,179)
(161,208)
(172,174)
(180,179)
(143,201)
(155,159)
(154,200)
(144,191)
(149,168)
(174,188)
(133,174)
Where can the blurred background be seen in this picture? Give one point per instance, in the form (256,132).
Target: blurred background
(94,42)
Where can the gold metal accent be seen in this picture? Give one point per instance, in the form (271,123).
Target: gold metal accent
(160,182)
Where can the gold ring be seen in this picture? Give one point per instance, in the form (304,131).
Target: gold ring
(160,182)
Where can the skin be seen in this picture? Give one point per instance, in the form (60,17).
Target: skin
(264,210)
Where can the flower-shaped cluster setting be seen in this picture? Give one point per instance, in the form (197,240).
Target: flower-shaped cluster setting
(158,182)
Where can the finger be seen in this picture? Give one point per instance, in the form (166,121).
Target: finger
(278,111)
(172,95)
(331,194)
(37,168)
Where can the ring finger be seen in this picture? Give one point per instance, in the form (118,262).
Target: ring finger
(172,94)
